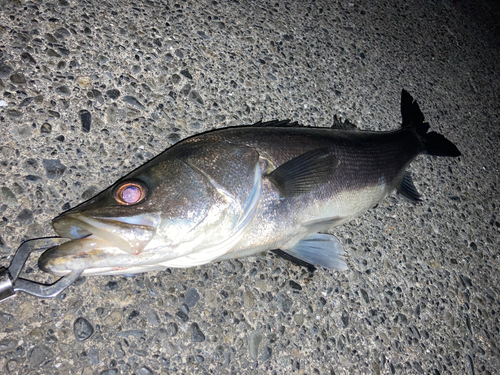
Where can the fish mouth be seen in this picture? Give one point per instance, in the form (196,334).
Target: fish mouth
(98,245)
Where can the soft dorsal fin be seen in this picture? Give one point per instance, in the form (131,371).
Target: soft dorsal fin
(338,124)
(304,173)
(408,190)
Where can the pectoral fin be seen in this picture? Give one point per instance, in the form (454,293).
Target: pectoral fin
(320,249)
(304,173)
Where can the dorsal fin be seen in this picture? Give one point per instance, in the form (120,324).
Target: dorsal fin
(342,125)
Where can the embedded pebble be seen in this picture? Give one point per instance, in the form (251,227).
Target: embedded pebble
(345,318)
(186,89)
(173,138)
(114,318)
(133,314)
(248,299)
(113,94)
(112,285)
(133,101)
(18,78)
(294,285)
(63,90)
(267,353)
(86,120)
(93,355)
(52,53)
(172,329)
(186,74)
(196,334)
(131,332)
(7,196)
(144,371)
(153,318)
(26,102)
(195,96)
(84,81)
(182,316)
(82,329)
(12,366)
(53,168)
(150,286)
(284,302)
(184,308)
(14,113)
(54,114)
(191,297)
(7,344)
(25,216)
(5,70)
(254,341)
(39,354)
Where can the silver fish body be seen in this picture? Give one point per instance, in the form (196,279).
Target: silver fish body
(238,191)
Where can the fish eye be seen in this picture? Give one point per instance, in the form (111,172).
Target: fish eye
(130,192)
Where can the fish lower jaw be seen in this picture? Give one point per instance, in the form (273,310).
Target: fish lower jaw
(79,254)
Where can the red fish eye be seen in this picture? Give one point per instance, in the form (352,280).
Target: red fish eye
(130,192)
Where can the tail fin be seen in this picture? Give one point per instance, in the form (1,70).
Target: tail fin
(434,143)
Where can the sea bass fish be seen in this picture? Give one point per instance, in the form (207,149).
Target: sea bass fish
(238,191)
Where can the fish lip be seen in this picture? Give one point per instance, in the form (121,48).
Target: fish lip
(111,230)
(70,226)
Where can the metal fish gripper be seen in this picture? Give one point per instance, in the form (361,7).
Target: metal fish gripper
(11,283)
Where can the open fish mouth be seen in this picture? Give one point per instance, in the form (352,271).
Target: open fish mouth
(98,245)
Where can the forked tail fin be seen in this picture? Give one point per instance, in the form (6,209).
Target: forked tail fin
(434,143)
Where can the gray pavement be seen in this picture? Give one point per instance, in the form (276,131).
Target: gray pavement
(422,293)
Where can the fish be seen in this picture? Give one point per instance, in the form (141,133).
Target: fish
(238,191)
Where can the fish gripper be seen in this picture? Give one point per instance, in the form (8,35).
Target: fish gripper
(11,283)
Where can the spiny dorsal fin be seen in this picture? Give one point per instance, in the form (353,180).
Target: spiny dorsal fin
(342,125)
(408,190)
(304,173)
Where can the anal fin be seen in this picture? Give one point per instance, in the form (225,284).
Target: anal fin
(320,249)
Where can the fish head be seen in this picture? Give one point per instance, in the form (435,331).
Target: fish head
(118,223)
(120,215)
(181,209)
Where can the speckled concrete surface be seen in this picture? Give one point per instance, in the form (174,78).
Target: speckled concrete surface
(422,294)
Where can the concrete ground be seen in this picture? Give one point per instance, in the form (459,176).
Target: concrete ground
(422,293)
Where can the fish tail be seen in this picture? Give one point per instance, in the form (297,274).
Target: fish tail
(433,143)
